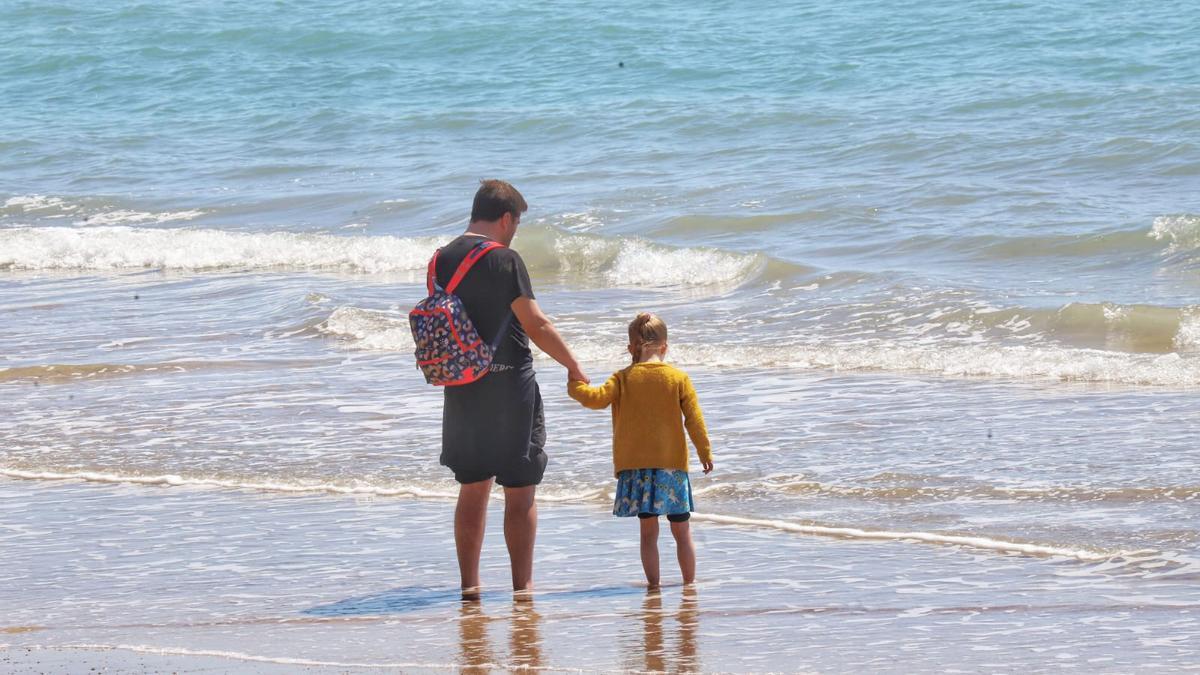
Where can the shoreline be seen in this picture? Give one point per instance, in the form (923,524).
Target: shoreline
(979,541)
(190,579)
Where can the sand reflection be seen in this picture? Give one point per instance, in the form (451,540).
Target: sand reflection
(689,621)
(657,657)
(525,640)
(473,638)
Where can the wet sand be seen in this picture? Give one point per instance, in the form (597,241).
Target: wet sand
(29,660)
(146,580)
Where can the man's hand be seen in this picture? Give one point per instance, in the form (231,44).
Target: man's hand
(576,375)
(708,466)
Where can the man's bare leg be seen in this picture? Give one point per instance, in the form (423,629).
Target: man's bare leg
(470,521)
(520,529)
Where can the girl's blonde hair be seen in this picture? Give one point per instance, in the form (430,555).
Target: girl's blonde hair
(647,330)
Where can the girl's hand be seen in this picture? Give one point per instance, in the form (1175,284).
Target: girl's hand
(708,466)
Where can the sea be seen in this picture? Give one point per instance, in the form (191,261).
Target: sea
(933,268)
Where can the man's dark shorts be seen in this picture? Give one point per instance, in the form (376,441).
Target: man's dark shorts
(495,427)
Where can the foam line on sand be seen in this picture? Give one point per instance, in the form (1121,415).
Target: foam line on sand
(986,543)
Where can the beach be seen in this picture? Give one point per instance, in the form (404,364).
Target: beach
(933,273)
(203,575)
(238,581)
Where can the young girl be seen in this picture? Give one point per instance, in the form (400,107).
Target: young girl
(652,403)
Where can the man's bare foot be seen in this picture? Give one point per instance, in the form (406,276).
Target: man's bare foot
(472,594)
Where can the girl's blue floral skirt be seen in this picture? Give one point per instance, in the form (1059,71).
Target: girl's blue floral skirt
(659,491)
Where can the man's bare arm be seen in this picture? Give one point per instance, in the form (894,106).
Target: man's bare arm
(540,329)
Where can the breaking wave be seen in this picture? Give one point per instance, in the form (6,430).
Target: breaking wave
(1104,325)
(1181,233)
(123,248)
(381,330)
(609,261)
(625,261)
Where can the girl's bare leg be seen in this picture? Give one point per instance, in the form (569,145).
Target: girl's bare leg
(685,550)
(650,549)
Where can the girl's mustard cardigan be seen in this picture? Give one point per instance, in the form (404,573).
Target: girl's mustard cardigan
(651,402)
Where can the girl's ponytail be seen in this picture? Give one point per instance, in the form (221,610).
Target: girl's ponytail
(646,330)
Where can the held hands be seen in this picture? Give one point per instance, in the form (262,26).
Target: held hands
(708,466)
(575,374)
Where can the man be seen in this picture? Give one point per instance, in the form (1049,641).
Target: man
(493,429)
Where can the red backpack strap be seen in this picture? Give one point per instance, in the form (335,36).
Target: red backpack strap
(431,279)
(469,262)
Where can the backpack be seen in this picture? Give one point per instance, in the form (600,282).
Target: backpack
(449,350)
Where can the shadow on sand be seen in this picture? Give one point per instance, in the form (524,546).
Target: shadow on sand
(415,598)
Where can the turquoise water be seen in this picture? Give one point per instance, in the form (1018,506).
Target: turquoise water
(934,271)
(955,118)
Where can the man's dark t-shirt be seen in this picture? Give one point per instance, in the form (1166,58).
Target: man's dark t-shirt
(488,292)
(494,427)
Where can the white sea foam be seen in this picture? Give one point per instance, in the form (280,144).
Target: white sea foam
(643,264)
(1188,337)
(612,262)
(281,660)
(369,329)
(977,542)
(127,217)
(583,221)
(585,495)
(790,485)
(986,543)
(44,206)
(384,331)
(120,247)
(636,262)
(34,203)
(174,480)
(1181,232)
(957,360)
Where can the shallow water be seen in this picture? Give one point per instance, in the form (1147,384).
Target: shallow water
(326,580)
(934,274)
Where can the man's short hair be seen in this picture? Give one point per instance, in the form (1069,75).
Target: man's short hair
(496,198)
